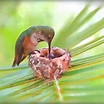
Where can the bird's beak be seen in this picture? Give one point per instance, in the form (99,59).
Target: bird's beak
(49,47)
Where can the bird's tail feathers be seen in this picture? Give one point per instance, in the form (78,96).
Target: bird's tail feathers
(15,62)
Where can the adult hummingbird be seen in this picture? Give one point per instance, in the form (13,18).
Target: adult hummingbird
(29,39)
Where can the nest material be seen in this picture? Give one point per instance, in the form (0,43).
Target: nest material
(48,68)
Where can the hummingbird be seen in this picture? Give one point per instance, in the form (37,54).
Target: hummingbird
(29,39)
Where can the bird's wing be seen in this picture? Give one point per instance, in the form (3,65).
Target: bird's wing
(18,51)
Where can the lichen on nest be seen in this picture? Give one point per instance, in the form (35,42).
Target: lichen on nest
(47,68)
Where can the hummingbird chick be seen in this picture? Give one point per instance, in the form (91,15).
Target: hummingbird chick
(29,39)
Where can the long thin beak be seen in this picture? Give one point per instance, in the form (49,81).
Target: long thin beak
(49,47)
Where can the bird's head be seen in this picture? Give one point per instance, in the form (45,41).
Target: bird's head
(42,33)
(45,33)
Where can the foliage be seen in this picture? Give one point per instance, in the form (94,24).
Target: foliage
(83,82)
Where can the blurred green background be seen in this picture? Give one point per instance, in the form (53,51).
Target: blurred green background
(16,16)
(81,23)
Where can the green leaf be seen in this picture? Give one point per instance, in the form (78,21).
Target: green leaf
(82,83)
(87,46)
(87,32)
(68,27)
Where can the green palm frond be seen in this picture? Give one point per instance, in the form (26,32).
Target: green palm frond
(83,82)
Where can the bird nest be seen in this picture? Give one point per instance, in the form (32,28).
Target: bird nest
(48,67)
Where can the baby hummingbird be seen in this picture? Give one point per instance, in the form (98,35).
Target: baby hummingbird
(29,39)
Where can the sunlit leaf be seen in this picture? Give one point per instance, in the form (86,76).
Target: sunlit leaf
(82,83)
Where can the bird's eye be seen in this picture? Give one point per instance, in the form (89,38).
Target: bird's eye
(49,37)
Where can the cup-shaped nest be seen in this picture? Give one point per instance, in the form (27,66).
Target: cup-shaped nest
(47,67)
